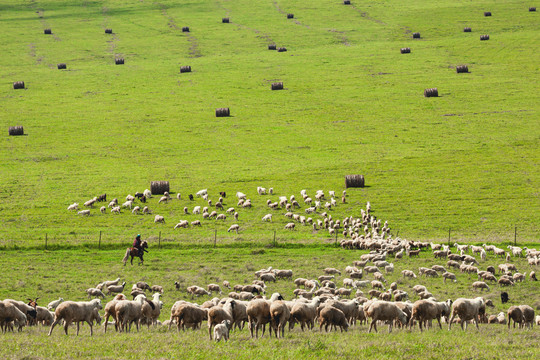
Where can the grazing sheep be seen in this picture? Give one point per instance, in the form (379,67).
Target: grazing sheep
(532,276)
(74,206)
(54,304)
(480,285)
(385,311)
(151,310)
(214,287)
(537,320)
(128,312)
(222,331)
(234,227)
(135,210)
(305,313)
(331,316)
(94,292)
(449,276)
(159,219)
(115,288)
(71,311)
(226,284)
(9,313)
(279,315)
(267,217)
(427,310)
(116,210)
(217,314)
(157,288)
(84,213)
(186,314)
(408,273)
(44,316)
(467,309)
(528,315)
(290,226)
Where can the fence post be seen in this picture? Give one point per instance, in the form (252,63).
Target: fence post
(274,238)
(45,241)
(515,235)
(215,237)
(99,244)
(159,240)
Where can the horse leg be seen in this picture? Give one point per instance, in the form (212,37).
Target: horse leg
(131,259)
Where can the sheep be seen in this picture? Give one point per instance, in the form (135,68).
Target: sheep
(74,206)
(11,313)
(159,219)
(332,271)
(235,216)
(90,203)
(290,226)
(234,227)
(230,210)
(467,309)
(226,284)
(196,210)
(201,193)
(71,311)
(84,213)
(54,304)
(258,312)
(330,315)
(537,320)
(217,314)
(27,310)
(94,292)
(385,311)
(182,224)
(379,276)
(532,276)
(157,288)
(127,204)
(110,310)
(305,313)
(480,285)
(349,308)
(222,331)
(279,315)
(408,273)
(151,310)
(128,312)
(377,284)
(528,315)
(427,310)
(115,288)
(515,313)
(44,316)
(450,276)
(185,314)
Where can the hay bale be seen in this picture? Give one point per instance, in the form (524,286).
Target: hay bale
(484,37)
(354,181)
(290,16)
(18,85)
(61,66)
(16,130)
(487,13)
(225,20)
(346,2)
(405,50)
(119,61)
(47,31)
(462,69)
(185,29)
(277,86)
(223,112)
(108,31)
(159,187)
(467,29)
(532,9)
(416,35)
(185,69)
(432,92)
(272,47)
(282,49)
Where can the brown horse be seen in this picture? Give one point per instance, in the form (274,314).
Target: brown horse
(131,251)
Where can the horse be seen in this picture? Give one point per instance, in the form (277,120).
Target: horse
(131,251)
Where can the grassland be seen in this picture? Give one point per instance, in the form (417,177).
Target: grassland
(467,160)
(68,273)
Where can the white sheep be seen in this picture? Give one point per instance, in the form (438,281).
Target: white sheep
(116,210)
(135,210)
(201,193)
(197,210)
(94,292)
(221,217)
(290,226)
(103,209)
(241,195)
(164,199)
(54,304)
(90,203)
(127,204)
(84,213)
(71,311)
(73,206)
(147,193)
(159,219)
(234,227)
(182,224)
(267,217)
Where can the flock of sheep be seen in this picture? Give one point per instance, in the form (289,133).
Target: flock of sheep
(314,205)
(321,300)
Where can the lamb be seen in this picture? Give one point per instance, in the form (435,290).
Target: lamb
(71,311)
(74,206)
(197,210)
(159,219)
(201,193)
(115,288)
(54,304)
(222,331)
(515,313)
(94,292)
(11,313)
(115,210)
(467,309)
(480,285)
(217,314)
(332,316)
(234,227)
(385,311)
(226,284)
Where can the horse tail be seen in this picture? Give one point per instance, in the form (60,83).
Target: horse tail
(126,257)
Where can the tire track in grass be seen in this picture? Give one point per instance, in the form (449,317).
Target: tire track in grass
(32,52)
(364,14)
(276,5)
(194,50)
(41,14)
(113,41)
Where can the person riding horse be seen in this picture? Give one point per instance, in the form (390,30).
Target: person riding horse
(137,244)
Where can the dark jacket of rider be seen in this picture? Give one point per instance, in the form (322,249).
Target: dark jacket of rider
(137,243)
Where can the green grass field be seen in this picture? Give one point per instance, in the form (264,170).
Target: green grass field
(466,161)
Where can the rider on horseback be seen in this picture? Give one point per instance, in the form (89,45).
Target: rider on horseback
(137,244)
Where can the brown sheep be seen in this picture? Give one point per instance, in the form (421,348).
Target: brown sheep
(188,315)
(71,311)
(427,310)
(279,315)
(110,310)
(305,313)
(332,316)
(467,309)
(528,315)
(217,314)
(385,311)
(10,313)
(515,313)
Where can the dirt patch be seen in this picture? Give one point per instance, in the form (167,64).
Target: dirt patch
(367,16)
(341,36)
